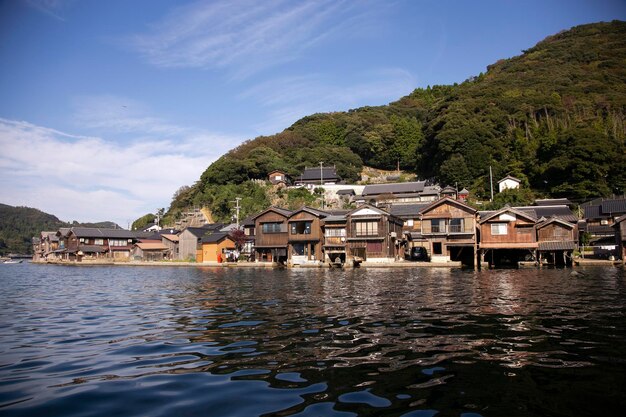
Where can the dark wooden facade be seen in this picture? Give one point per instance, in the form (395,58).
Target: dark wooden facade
(448,231)
(556,241)
(271,235)
(620,236)
(509,234)
(373,233)
(305,238)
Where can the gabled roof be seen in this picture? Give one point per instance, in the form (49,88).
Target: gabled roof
(216,237)
(563,212)
(315,212)
(491,214)
(283,212)
(248,221)
(543,222)
(198,231)
(509,177)
(377,210)
(276,171)
(448,189)
(620,219)
(394,188)
(171,238)
(613,206)
(449,201)
(464,191)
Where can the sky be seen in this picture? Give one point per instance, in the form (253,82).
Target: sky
(108,107)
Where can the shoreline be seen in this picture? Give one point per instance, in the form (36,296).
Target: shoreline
(270,265)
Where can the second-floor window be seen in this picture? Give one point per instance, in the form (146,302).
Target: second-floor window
(366,228)
(272,227)
(498,229)
(118,242)
(301,228)
(456,226)
(438,225)
(98,242)
(335,232)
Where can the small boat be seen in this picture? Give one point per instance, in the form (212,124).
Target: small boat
(13,261)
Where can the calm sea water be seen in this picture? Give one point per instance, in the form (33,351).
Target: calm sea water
(105,341)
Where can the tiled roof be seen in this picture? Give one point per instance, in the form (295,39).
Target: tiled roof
(557,245)
(560,211)
(407,210)
(91,248)
(214,238)
(592,212)
(395,188)
(313,174)
(553,202)
(509,177)
(198,231)
(99,232)
(151,246)
(348,191)
(613,206)
(337,218)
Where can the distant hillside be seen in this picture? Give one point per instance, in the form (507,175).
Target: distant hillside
(18,225)
(554,117)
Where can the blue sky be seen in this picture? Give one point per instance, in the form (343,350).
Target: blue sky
(108,107)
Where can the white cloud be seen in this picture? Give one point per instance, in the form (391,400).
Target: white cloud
(53,8)
(247,36)
(291,98)
(92,179)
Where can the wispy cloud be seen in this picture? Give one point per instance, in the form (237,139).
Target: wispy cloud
(247,36)
(90,178)
(288,99)
(53,8)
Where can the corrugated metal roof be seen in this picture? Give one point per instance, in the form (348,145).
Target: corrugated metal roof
(557,245)
(394,188)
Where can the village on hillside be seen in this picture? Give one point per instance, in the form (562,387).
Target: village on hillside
(397,223)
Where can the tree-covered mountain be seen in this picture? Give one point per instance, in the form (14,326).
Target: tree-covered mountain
(18,225)
(553,117)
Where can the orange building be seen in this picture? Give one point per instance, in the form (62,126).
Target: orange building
(214,245)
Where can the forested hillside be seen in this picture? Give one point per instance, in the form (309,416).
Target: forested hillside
(553,117)
(18,225)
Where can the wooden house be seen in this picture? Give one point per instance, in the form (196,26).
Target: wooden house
(149,250)
(305,239)
(599,217)
(216,247)
(620,237)
(190,240)
(91,243)
(410,215)
(170,240)
(271,235)
(507,236)
(248,225)
(448,231)
(335,234)
(373,234)
(556,240)
(278,177)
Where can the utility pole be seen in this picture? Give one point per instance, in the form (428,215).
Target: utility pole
(322,182)
(237,208)
(491,182)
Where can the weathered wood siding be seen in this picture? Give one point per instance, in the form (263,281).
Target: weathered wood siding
(271,239)
(519,231)
(556,232)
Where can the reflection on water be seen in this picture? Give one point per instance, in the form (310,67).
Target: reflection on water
(224,342)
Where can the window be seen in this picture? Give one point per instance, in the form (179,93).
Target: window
(498,229)
(409,223)
(366,228)
(279,177)
(272,227)
(117,242)
(301,228)
(98,242)
(456,226)
(437,248)
(335,233)
(438,226)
